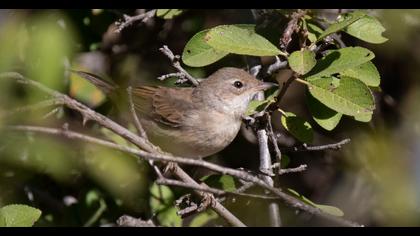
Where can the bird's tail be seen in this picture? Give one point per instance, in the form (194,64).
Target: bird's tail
(105,86)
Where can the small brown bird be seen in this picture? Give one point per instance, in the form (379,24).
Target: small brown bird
(199,121)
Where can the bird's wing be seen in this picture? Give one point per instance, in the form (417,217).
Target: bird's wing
(167,106)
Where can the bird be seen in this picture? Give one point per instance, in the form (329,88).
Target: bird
(193,122)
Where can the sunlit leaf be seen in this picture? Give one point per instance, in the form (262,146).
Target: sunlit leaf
(240,39)
(162,203)
(17,215)
(302,61)
(161,197)
(332,210)
(339,60)
(368,29)
(366,72)
(347,20)
(346,95)
(202,218)
(198,53)
(168,13)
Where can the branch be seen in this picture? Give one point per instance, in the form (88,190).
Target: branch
(293,170)
(273,139)
(215,191)
(129,20)
(183,74)
(305,148)
(277,65)
(128,221)
(292,27)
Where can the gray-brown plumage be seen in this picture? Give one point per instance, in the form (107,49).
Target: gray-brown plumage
(200,121)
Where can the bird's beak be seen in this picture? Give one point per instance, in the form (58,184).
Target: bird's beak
(265,85)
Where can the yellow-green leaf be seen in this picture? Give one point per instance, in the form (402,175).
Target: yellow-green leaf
(198,53)
(347,19)
(17,215)
(346,95)
(366,72)
(368,29)
(302,61)
(240,39)
(168,13)
(339,60)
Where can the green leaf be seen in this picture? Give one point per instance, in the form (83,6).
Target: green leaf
(202,218)
(368,29)
(339,60)
(366,72)
(314,31)
(161,197)
(323,116)
(346,95)
(257,106)
(169,218)
(302,61)
(198,53)
(363,117)
(162,203)
(240,39)
(225,182)
(347,20)
(298,127)
(168,13)
(332,210)
(285,160)
(92,196)
(17,215)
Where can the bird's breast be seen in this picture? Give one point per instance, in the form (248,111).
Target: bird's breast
(202,133)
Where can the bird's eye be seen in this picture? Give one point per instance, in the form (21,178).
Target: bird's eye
(238,84)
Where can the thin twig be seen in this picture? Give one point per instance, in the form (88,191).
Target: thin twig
(273,139)
(129,20)
(243,188)
(293,170)
(305,148)
(277,65)
(215,191)
(129,221)
(39,105)
(175,63)
(137,123)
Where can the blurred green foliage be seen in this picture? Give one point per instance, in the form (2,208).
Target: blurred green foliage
(373,181)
